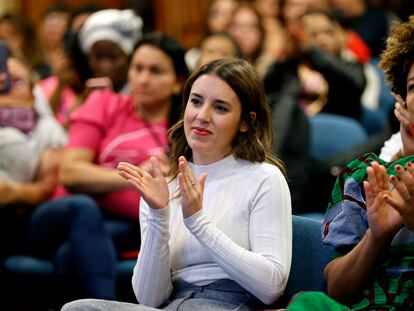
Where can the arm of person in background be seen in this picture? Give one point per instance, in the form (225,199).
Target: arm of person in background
(63,71)
(37,191)
(347,275)
(79,173)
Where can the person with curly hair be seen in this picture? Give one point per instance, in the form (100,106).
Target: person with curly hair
(370,218)
(397,62)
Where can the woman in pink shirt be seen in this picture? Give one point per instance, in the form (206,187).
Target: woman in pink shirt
(107,129)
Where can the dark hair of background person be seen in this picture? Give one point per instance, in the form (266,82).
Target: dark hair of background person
(253,145)
(32,51)
(175,52)
(145,10)
(88,8)
(72,48)
(56,7)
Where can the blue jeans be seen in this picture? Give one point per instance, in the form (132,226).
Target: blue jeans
(71,231)
(222,295)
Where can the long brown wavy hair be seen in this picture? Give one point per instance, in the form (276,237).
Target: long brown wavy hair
(253,145)
(398,56)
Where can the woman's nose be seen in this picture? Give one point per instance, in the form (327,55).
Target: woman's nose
(204,114)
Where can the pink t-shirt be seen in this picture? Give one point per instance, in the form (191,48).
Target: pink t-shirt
(108,125)
(67,98)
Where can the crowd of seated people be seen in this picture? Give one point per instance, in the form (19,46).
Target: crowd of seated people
(94,89)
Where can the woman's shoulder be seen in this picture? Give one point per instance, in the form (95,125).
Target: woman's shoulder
(103,103)
(259,170)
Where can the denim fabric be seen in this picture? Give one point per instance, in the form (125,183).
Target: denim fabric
(70,231)
(220,295)
(345,223)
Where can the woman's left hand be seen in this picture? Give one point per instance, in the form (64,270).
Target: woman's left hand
(404,186)
(191,190)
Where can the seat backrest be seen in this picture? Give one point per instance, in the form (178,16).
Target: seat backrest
(309,258)
(331,134)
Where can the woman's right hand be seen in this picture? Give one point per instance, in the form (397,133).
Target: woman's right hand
(384,221)
(152,186)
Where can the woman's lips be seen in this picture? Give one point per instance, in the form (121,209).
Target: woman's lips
(201,131)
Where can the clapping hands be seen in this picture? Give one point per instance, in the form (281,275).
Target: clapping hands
(388,210)
(153,187)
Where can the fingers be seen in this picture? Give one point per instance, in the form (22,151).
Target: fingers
(368,193)
(130,169)
(187,179)
(399,99)
(186,171)
(402,115)
(156,168)
(373,178)
(405,183)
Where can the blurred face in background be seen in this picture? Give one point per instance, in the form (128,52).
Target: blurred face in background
(215,47)
(322,32)
(293,9)
(53,28)
(12,36)
(267,8)
(107,59)
(152,77)
(219,15)
(245,29)
(20,92)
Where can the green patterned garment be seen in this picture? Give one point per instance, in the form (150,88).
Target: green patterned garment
(344,226)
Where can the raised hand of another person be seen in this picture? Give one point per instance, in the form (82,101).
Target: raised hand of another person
(151,185)
(405,118)
(404,202)
(384,221)
(191,189)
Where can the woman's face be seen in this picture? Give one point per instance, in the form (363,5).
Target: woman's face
(106,59)
(20,92)
(12,36)
(322,32)
(219,15)
(152,77)
(215,47)
(245,29)
(410,90)
(211,119)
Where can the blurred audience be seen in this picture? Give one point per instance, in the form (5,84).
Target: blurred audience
(217,20)
(23,42)
(107,129)
(52,28)
(215,46)
(247,28)
(98,50)
(30,149)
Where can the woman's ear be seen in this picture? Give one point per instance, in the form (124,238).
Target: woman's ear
(244,127)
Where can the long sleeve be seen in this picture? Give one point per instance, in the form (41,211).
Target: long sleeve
(243,232)
(151,280)
(262,270)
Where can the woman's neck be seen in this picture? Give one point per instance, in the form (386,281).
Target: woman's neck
(154,112)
